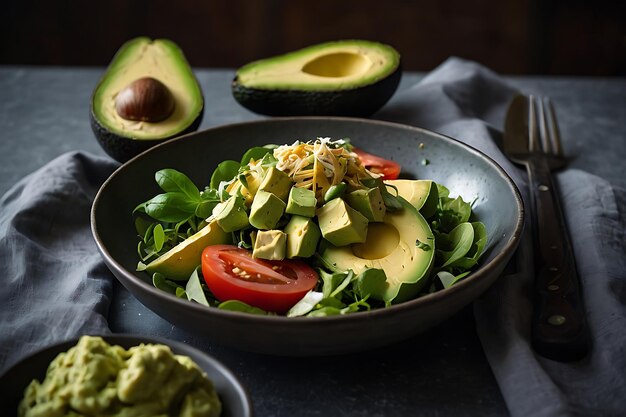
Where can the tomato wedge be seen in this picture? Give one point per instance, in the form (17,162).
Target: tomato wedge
(389,169)
(231,273)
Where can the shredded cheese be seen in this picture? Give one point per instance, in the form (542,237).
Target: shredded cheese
(320,164)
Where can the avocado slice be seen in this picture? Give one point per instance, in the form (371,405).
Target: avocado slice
(179,262)
(402,245)
(340,78)
(148,94)
(421,194)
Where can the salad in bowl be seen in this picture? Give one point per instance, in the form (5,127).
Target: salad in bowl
(313,228)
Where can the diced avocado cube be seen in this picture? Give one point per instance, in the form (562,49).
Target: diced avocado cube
(301,202)
(340,224)
(231,215)
(369,202)
(245,185)
(270,244)
(302,237)
(276,182)
(266,210)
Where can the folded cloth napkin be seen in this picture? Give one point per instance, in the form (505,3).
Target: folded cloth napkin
(55,285)
(466,101)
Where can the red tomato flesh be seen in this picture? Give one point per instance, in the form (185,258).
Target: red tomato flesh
(389,169)
(231,273)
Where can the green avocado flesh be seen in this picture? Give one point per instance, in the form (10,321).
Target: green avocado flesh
(349,77)
(402,245)
(95,378)
(160,59)
(180,261)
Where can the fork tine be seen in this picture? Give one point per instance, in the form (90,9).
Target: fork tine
(544,134)
(555,135)
(533,131)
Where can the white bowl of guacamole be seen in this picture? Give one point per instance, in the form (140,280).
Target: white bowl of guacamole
(123,376)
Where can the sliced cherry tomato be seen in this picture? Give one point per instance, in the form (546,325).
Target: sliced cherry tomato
(378,165)
(231,273)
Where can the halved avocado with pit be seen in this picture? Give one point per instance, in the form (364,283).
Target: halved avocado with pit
(148,94)
(340,78)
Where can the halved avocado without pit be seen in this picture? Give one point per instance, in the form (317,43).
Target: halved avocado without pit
(148,94)
(402,245)
(340,78)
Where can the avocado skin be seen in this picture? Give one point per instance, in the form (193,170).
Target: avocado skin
(356,102)
(123,148)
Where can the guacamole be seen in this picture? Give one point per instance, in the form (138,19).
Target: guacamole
(94,378)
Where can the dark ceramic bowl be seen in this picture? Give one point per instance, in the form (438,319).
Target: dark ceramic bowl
(235,400)
(464,170)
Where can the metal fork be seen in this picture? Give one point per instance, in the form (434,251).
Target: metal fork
(546,138)
(559,326)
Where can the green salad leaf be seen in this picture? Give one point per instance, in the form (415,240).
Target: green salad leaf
(256,153)
(171,180)
(236,305)
(164,284)
(454,245)
(371,282)
(225,171)
(306,304)
(194,288)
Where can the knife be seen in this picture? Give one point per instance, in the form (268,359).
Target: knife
(559,327)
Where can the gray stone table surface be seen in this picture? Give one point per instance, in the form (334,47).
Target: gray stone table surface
(44,112)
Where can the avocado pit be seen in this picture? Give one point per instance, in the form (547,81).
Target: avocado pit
(146,99)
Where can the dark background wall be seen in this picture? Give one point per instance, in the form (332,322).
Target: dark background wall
(514,37)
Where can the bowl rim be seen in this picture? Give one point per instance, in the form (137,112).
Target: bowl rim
(425,300)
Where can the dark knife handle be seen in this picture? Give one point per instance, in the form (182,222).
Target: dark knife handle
(559,325)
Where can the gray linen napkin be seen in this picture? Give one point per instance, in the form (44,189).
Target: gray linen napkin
(468,102)
(55,285)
